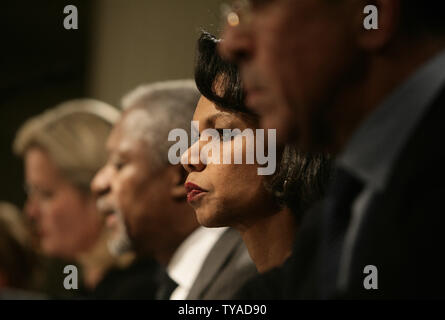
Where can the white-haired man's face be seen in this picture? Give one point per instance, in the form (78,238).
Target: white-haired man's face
(117,237)
(140,190)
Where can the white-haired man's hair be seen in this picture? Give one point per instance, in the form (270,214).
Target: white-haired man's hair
(160,107)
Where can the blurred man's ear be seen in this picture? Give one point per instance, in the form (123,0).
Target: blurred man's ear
(388,23)
(179,175)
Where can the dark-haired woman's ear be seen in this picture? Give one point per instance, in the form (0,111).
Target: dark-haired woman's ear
(178,191)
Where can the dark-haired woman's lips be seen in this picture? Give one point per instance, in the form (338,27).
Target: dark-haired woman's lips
(194,192)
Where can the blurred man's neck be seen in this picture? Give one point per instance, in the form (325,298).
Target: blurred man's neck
(385,71)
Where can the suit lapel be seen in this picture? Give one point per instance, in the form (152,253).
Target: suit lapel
(215,261)
(390,235)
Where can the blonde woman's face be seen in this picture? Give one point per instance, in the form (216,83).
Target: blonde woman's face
(66,220)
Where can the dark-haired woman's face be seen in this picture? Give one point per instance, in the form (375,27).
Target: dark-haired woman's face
(225,194)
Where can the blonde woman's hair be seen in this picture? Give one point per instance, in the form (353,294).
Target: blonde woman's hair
(74,134)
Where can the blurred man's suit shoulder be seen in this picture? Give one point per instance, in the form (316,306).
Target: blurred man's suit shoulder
(403,235)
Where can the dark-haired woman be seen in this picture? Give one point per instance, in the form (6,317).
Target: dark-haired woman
(265,210)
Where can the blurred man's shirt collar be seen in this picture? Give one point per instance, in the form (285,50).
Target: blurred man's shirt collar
(378,143)
(380,139)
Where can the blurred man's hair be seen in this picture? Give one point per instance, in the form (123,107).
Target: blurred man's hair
(165,106)
(74,134)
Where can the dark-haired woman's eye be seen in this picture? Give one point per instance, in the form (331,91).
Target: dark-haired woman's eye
(118,165)
(225,134)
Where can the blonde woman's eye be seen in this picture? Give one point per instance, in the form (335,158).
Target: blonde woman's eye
(47,194)
(42,193)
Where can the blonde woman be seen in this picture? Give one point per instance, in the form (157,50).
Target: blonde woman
(62,149)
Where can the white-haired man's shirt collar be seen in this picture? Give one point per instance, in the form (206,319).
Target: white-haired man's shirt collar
(188,259)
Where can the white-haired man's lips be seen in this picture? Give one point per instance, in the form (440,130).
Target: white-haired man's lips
(111,220)
(108,210)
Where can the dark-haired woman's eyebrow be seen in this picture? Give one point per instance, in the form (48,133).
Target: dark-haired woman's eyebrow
(210,122)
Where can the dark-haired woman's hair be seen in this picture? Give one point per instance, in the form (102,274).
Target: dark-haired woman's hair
(300,179)
(216,79)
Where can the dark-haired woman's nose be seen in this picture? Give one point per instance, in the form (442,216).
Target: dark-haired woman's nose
(190,159)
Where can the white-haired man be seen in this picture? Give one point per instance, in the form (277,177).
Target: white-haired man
(139,182)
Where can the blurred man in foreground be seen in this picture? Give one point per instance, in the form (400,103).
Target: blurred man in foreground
(375,98)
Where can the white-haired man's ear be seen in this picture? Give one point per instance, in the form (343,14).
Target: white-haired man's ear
(177,190)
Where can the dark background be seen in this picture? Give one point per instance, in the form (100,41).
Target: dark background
(42,64)
(119,45)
